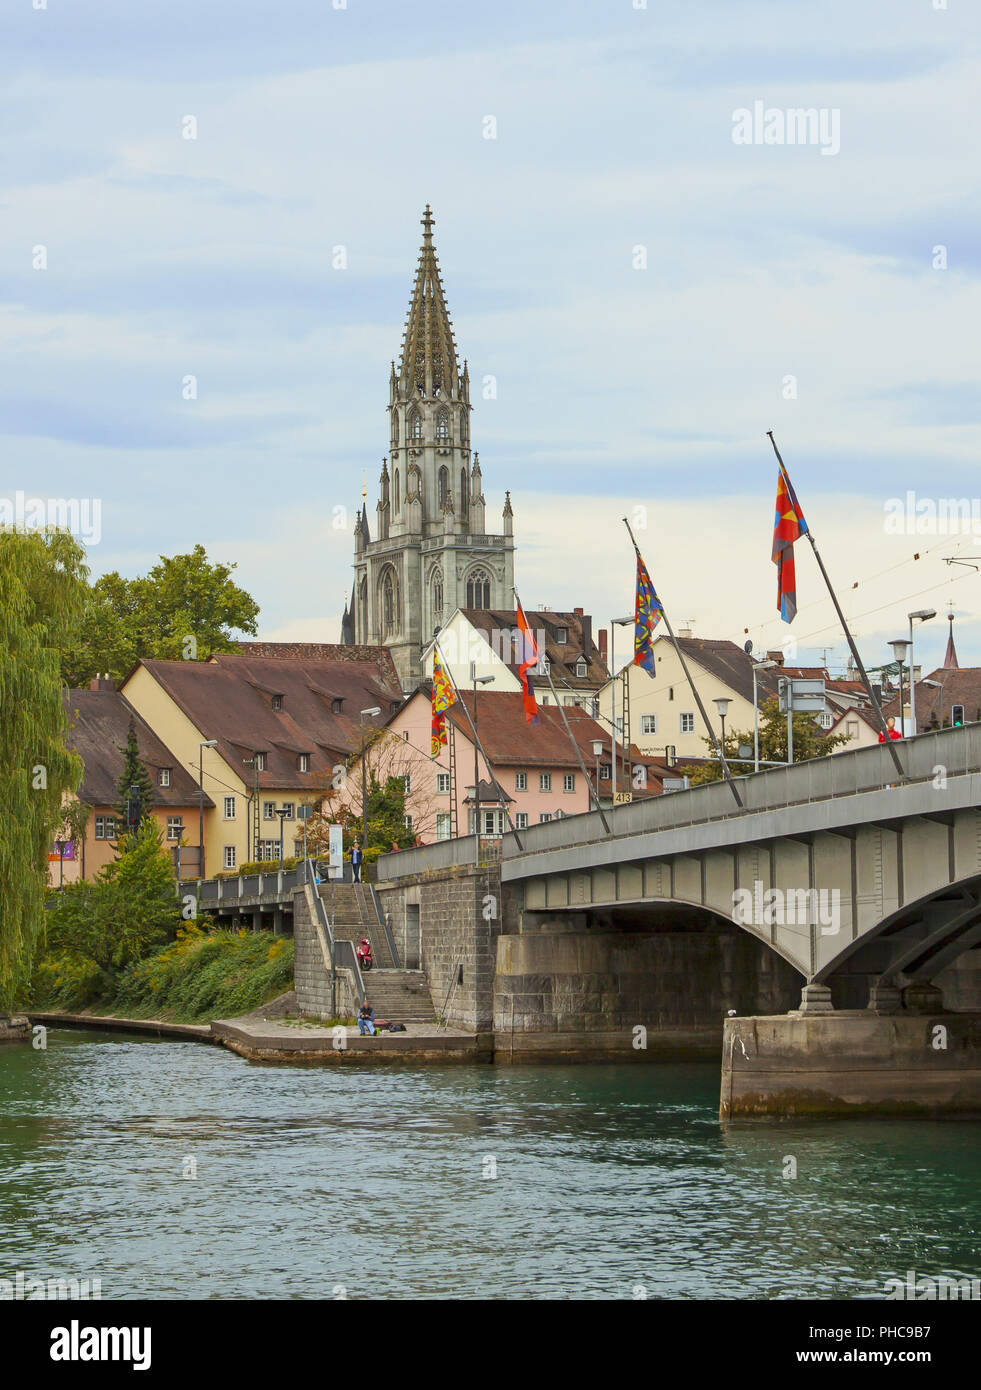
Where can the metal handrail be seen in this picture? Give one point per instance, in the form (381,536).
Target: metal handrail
(382,919)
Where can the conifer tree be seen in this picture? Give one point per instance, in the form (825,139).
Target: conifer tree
(42,592)
(134,783)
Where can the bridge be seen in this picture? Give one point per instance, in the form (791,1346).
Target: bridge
(868,887)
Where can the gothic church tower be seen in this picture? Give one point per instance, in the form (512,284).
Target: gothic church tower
(431,553)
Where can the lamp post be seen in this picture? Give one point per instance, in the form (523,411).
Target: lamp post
(722,705)
(374,710)
(179,827)
(281,813)
(597,751)
(758,666)
(61,846)
(900,645)
(211,743)
(614,624)
(476,680)
(923,615)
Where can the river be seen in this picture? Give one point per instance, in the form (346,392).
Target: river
(524,1182)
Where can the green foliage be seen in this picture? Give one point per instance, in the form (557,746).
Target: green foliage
(386,819)
(42,591)
(809,742)
(200,976)
(135,778)
(153,616)
(129,909)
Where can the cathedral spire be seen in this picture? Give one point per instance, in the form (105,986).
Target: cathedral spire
(950,660)
(428,360)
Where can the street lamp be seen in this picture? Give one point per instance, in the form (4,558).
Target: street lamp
(211,743)
(375,710)
(614,624)
(922,615)
(900,645)
(179,827)
(722,704)
(758,666)
(61,846)
(476,680)
(281,813)
(597,750)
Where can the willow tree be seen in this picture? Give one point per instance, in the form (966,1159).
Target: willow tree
(42,593)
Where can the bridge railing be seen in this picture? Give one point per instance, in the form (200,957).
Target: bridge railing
(444,854)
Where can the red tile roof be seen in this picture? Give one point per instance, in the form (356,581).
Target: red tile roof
(98,729)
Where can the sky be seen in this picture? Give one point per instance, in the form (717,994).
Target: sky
(647,296)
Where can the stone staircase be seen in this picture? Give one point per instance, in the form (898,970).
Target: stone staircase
(401,996)
(354,917)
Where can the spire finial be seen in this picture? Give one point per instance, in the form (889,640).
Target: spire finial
(364,486)
(427,225)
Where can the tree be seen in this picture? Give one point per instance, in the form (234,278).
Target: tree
(809,742)
(389,766)
(42,594)
(184,608)
(134,783)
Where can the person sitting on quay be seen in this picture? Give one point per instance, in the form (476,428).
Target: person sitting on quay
(366,1019)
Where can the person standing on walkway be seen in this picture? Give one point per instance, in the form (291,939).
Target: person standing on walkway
(356,859)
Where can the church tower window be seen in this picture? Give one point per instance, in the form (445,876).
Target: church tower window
(463,425)
(478,589)
(443,485)
(390,603)
(443,426)
(398,491)
(438,597)
(395,426)
(415,424)
(464,498)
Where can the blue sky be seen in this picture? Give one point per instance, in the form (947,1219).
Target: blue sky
(617,387)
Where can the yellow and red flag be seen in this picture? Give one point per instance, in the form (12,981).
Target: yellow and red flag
(443,696)
(529,658)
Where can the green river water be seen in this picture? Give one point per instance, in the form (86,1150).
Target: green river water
(582,1182)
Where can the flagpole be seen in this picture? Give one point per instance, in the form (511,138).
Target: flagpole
(593,793)
(477,742)
(851,641)
(698,699)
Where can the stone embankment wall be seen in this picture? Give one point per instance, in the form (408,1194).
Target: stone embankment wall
(311,971)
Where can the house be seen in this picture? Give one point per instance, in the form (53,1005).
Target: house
(266,734)
(98,720)
(531,771)
(860,727)
(949,695)
(489,639)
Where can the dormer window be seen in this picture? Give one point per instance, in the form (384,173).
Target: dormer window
(562,634)
(303,762)
(335,706)
(582,670)
(277,702)
(260,762)
(163,777)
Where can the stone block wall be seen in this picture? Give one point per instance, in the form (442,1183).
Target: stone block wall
(311,977)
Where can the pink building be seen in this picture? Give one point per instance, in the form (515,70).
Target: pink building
(535,765)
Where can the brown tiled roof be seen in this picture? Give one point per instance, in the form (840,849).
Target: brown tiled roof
(562,655)
(961,685)
(730,664)
(229,698)
(98,729)
(325,651)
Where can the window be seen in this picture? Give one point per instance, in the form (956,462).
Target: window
(545,815)
(521,820)
(408,822)
(544,665)
(826,719)
(390,603)
(269,810)
(687,723)
(269,850)
(443,426)
(437,596)
(521,781)
(260,762)
(648,723)
(561,634)
(851,728)
(464,492)
(442,488)
(336,706)
(395,428)
(582,670)
(670,692)
(606,772)
(303,762)
(105,827)
(444,825)
(545,781)
(415,424)
(164,777)
(398,485)
(670,754)
(568,781)
(290,810)
(407,782)
(228,811)
(574,700)
(277,702)
(478,590)
(175,828)
(442,781)
(558,815)
(463,424)
(228,857)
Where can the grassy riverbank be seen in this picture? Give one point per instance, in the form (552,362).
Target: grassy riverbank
(200,976)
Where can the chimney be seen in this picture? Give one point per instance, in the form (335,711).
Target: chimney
(601,637)
(776,656)
(578,612)
(102,683)
(586,624)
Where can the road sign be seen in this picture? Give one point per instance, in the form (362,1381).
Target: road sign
(802,696)
(336,841)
